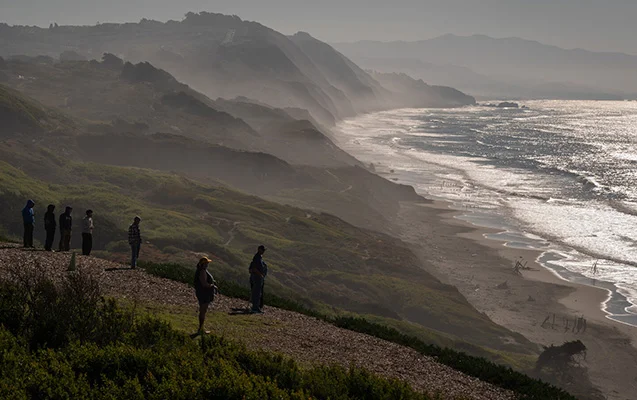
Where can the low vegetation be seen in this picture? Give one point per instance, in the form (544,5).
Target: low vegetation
(54,346)
(316,259)
(480,368)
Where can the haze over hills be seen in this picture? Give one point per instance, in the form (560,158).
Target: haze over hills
(488,66)
(221,56)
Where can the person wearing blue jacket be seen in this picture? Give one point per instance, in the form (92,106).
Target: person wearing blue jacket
(28,217)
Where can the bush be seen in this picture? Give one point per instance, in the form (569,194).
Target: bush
(144,358)
(53,315)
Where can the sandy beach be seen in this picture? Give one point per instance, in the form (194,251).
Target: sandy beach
(482,269)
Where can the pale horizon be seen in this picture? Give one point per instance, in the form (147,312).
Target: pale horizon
(609,25)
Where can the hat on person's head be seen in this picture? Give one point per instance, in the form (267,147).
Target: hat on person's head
(68,208)
(204,260)
(261,247)
(89,211)
(137,217)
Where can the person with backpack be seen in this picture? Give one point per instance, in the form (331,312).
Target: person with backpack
(28,217)
(66,227)
(87,233)
(49,227)
(205,290)
(135,241)
(258,271)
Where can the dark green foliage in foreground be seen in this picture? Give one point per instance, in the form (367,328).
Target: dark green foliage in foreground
(99,351)
(480,368)
(487,371)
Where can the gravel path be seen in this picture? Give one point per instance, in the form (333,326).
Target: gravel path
(304,338)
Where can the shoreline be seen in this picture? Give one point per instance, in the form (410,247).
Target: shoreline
(475,252)
(463,255)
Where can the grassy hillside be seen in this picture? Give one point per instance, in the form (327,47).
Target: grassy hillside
(22,116)
(317,259)
(120,97)
(138,100)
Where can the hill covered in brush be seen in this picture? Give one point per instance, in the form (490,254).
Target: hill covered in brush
(317,258)
(224,56)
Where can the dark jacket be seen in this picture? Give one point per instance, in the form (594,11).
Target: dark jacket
(49,220)
(134,235)
(66,222)
(258,264)
(28,217)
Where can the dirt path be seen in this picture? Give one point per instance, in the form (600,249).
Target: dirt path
(306,339)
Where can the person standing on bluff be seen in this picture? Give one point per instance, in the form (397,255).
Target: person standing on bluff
(49,227)
(28,217)
(205,290)
(135,241)
(258,271)
(66,226)
(87,233)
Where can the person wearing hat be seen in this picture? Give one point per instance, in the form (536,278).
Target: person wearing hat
(66,227)
(205,289)
(135,241)
(258,271)
(87,233)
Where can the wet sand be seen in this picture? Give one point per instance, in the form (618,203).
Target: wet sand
(458,253)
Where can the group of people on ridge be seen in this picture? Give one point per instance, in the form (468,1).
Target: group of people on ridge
(65,225)
(205,285)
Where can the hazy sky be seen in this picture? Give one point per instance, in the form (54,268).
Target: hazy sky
(608,25)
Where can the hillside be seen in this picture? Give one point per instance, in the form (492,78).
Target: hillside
(129,113)
(311,342)
(221,56)
(505,66)
(409,92)
(317,257)
(143,99)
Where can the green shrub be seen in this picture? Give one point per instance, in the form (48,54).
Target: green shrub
(53,315)
(144,358)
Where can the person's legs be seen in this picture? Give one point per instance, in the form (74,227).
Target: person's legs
(203,309)
(134,254)
(48,243)
(90,244)
(61,246)
(87,243)
(67,240)
(256,283)
(28,235)
(261,298)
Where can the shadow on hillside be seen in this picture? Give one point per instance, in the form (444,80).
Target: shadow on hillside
(240,311)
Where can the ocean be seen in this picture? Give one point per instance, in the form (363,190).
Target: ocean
(556,176)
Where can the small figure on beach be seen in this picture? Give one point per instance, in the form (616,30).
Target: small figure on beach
(258,271)
(28,217)
(87,233)
(66,227)
(135,241)
(205,290)
(49,227)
